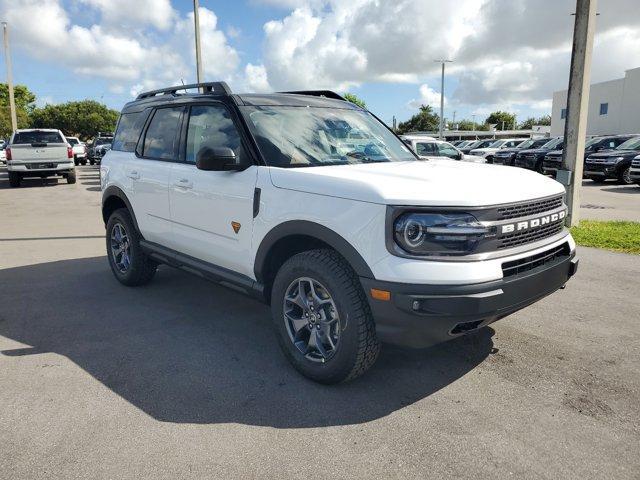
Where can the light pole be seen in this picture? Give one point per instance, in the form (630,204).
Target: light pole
(196,21)
(442,61)
(7,56)
(575,127)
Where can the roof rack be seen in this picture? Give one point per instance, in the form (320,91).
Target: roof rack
(319,93)
(220,88)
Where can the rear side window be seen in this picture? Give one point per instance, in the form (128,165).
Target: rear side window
(425,149)
(128,132)
(161,139)
(72,141)
(36,137)
(211,126)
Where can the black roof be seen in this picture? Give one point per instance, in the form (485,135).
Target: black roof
(218,90)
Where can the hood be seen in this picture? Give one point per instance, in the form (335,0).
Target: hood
(615,153)
(535,151)
(483,150)
(473,158)
(431,183)
(508,151)
(555,153)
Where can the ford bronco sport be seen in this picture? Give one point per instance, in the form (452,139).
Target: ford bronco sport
(314,206)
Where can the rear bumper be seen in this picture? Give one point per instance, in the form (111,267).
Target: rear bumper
(423,315)
(40,168)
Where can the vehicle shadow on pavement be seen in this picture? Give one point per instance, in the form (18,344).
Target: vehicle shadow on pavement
(188,351)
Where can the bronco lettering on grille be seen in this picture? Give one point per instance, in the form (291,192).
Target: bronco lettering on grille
(536,222)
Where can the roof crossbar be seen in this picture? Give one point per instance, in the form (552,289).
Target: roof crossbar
(219,88)
(319,93)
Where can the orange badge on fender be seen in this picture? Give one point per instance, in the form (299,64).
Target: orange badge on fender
(236,226)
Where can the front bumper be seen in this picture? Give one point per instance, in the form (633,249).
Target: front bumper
(600,170)
(418,315)
(500,160)
(635,174)
(525,162)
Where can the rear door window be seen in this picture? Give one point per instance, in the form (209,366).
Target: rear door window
(162,137)
(21,138)
(128,131)
(427,149)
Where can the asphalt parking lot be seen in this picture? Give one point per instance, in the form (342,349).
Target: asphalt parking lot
(183,378)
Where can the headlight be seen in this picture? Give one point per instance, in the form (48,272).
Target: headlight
(438,234)
(615,159)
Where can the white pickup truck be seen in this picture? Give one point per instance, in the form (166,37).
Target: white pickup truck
(39,153)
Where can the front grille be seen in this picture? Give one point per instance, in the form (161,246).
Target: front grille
(529,208)
(525,264)
(523,237)
(590,167)
(598,161)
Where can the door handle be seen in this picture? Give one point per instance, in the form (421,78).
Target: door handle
(133,175)
(184,183)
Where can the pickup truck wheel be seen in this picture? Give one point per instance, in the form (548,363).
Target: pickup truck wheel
(14,179)
(71,177)
(322,317)
(91,162)
(625,177)
(76,162)
(130,265)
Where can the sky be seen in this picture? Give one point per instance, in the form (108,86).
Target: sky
(507,54)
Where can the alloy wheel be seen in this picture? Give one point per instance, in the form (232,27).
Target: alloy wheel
(120,248)
(311,319)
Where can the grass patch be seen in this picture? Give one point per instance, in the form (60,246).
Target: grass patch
(618,236)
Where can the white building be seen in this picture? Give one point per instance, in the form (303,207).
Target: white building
(614,107)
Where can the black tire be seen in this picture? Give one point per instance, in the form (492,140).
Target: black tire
(83,162)
(358,346)
(624,177)
(91,162)
(539,168)
(76,162)
(14,179)
(71,177)
(141,268)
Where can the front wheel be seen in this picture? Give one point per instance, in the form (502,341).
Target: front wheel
(625,177)
(322,318)
(129,264)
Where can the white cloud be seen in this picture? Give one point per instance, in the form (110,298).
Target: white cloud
(428,96)
(157,13)
(256,79)
(135,56)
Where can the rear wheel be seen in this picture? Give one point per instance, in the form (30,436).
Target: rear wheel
(129,264)
(71,177)
(92,161)
(625,176)
(322,317)
(14,179)
(76,162)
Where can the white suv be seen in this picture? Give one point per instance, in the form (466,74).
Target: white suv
(488,152)
(311,204)
(429,148)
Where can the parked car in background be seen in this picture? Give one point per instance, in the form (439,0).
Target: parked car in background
(464,143)
(79,150)
(429,148)
(507,156)
(532,159)
(3,153)
(634,173)
(553,160)
(488,152)
(99,147)
(477,144)
(615,163)
(39,153)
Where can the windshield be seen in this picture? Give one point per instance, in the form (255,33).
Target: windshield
(102,141)
(317,136)
(497,144)
(36,136)
(593,140)
(556,142)
(631,144)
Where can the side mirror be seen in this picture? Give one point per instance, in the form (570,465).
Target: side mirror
(217,159)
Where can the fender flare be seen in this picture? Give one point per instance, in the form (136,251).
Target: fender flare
(113,191)
(311,229)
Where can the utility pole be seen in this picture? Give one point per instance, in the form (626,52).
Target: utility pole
(7,57)
(196,21)
(443,61)
(575,127)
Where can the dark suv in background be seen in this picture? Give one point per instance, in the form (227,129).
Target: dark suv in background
(532,159)
(553,160)
(615,163)
(506,156)
(477,144)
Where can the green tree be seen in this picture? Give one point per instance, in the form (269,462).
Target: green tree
(531,121)
(83,118)
(355,99)
(466,125)
(424,120)
(24,100)
(503,120)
